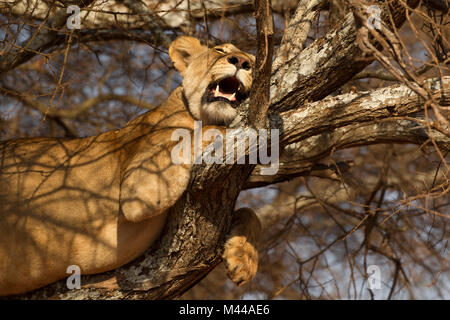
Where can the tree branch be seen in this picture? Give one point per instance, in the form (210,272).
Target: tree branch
(260,94)
(326,64)
(378,74)
(173,13)
(42,39)
(300,24)
(334,112)
(354,119)
(52,31)
(300,159)
(76,111)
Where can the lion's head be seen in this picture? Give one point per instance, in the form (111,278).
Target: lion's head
(215,80)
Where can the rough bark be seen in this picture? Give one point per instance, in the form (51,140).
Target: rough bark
(173,13)
(302,158)
(145,21)
(325,65)
(260,95)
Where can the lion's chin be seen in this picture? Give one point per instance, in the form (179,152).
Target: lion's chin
(218,113)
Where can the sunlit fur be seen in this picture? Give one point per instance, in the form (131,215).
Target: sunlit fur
(200,67)
(100,202)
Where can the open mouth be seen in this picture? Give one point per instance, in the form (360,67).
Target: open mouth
(228,89)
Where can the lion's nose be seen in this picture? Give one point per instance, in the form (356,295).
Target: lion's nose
(239,62)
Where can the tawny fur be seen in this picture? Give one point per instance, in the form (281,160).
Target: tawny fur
(100,202)
(240,252)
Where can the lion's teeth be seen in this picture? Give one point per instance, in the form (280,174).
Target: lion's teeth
(216,93)
(233,96)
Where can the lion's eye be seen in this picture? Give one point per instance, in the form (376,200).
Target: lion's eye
(220,50)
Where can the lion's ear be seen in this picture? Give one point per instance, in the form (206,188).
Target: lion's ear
(183,49)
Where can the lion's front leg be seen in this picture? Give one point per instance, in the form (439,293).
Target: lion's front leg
(151,184)
(240,252)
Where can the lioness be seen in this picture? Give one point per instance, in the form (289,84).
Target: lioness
(100,202)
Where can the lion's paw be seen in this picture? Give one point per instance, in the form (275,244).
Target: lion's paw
(240,251)
(241,260)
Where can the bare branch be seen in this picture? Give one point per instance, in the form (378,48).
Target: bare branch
(325,65)
(379,74)
(352,108)
(52,32)
(390,40)
(300,159)
(173,13)
(42,39)
(260,94)
(300,24)
(75,111)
